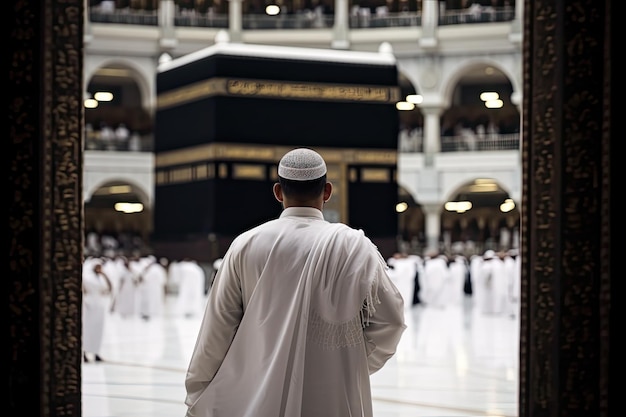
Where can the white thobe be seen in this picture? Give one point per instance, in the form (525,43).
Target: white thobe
(493,286)
(96,304)
(403,276)
(126,299)
(435,283)
(191,278)
(300,313)
(458,271)
(152,290)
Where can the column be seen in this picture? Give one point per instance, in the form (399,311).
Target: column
(517,23)
(87,31)
(341,25)
(167,39)
(234,20)
(432,221)
(432,132)
(430,20)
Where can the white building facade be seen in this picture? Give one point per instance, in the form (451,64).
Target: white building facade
(433,58)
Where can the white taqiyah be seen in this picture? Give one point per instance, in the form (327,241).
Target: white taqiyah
(301,164)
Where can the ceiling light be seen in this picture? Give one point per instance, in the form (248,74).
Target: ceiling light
(483,188)
(494,104)
(507,206)
(272,10)
(401,207)
(103,96)
(458,206)
(119,189)
(404,105)
(489,95)
(129,207)
(90,103)
(415,98)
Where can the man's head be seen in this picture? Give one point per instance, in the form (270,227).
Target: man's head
(302,179)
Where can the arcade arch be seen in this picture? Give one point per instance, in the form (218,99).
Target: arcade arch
(120,209)
(481,211)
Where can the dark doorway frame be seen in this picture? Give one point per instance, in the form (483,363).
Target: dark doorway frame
(568,225)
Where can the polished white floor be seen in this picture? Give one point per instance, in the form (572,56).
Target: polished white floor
(450,363)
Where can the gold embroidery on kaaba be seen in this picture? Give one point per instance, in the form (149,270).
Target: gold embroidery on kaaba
(245,171)
(203,172)
(278,89)
(222,170)
(192,92)
(182,174)
(243,152)
(375,175)
(376,157)
(161,177)
(353,175)
(184,156)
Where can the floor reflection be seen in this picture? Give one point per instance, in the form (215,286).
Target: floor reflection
(450,363)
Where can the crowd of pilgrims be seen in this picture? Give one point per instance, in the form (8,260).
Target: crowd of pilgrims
(490,280)
(136,287)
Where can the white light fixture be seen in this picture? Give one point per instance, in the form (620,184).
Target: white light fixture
(404,105)
(272,10)
(507,206)
(119,189)
(90,103)
(103,96)
(129,207)
(415,98)
(489,95)
(401,207)
(494,104)
(458,206)
(483,187)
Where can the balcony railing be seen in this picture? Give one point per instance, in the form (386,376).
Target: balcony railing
(406,144)
(487,142)
(301,19)
(136,143)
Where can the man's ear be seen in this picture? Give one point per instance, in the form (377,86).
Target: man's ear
(328,191)
(278,192)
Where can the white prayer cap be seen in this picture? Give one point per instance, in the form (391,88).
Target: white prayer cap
(489,254)
(301,164)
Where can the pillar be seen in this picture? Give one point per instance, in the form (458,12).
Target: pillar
(432,221)
(235,20)
(432,132)
(430,21)
(341,27)
(167,40)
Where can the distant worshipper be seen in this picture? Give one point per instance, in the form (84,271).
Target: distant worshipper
(300,314)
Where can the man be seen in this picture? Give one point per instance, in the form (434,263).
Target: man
(300,313)
(97,290)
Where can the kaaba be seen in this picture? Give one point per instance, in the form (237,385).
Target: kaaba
(227,113)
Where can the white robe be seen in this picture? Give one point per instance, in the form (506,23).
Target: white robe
(190,278)
(403,276)
(458,270)
(434,291)
(493,287)
(152,290)
(126,298)
(301,312)
(96,305)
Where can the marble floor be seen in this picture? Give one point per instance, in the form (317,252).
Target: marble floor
(450,363)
